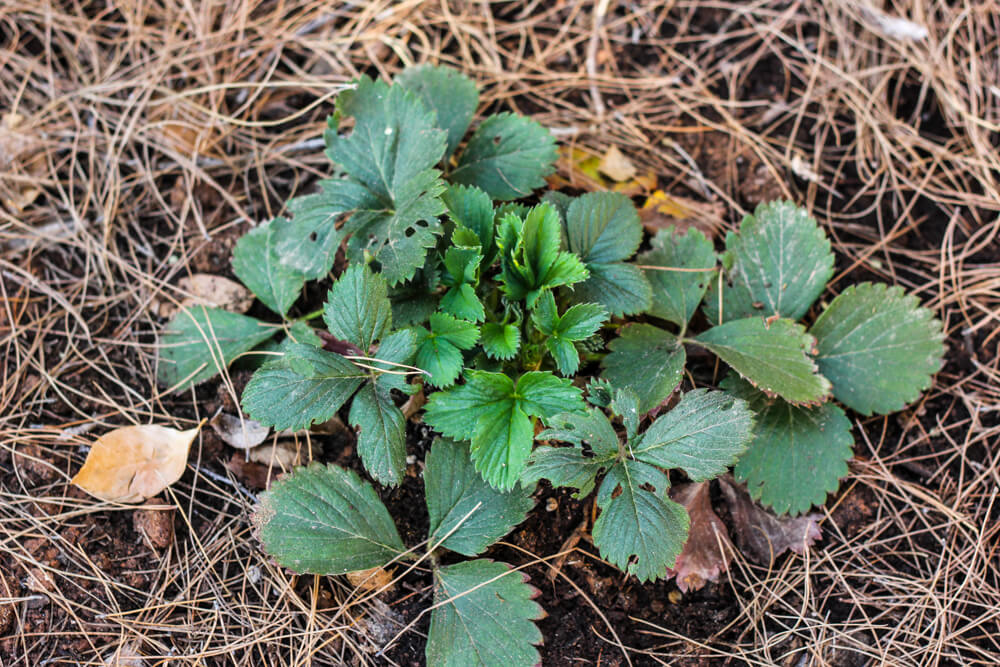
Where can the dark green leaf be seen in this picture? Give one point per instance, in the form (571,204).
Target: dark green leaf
(773,356)
(702,435)
(647,360)
(309,242)
(590,428)
(508,156)
(797,455)
(464,507)
(381,433)
(357,307)
(640,530)
(563,466)
(619,287)
(482,617)
(677,293)
(200,342)
(257,263)
(451,94)
(878,347)
(304,386)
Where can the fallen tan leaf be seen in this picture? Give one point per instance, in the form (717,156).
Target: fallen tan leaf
(203,289)
(708,550)
(377,578)
(280,455)
(663,210)
(239,433)
(133,463)
(616,166)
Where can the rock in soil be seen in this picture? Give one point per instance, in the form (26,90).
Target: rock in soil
(8,589)
(157,525)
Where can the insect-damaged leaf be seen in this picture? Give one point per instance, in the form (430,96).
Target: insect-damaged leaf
(133,463)
(647,360)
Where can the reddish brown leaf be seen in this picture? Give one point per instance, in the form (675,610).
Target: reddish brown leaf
(708,550)
(762,535)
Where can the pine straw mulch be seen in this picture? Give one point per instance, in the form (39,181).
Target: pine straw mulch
(139,139)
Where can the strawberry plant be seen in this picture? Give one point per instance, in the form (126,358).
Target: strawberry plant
(492,307)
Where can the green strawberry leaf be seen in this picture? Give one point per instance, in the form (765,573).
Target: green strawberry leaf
(449,93)
(878,347)
(507,156)
(590,428)
(357,307)
(798,454)
(702,435)
(304,386)
(778,264)
(472,209)
(647,360)
(200,342)
(604,229)
(381,433)
(677,290)
(462,302)
(483,613)
(625,404)
(493,412)
(462,506)
(257,263)
(325,520)
(773,356)
(389,183)
(576,324)
(309,242)
(640,530)
(500,341)
(415,300)
(563,466)
(439,351)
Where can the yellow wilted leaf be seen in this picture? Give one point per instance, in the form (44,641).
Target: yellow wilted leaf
(616,166)
(133,463)
(577,168)
(375,579)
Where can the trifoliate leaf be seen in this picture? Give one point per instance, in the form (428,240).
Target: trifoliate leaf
(381,433)
(472,209)
(464,507)
(449,93)
(304,386)
(257,263)
(589,429)
(878,347)
(563,466)
(462,302)
(578,323)
(603,228)
(508,156)
(702,435)
(325,520)
(439,351)
(500,341)
(483,613)
(772,355)
(677,290)
(390,183)
(531,259)
(778,264)
(647,360)
(640,530)
(797,455)
(494,415)
(357,307)
(199,342)
(133,463)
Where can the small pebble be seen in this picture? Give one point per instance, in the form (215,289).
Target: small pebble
(156,524)
(551,505)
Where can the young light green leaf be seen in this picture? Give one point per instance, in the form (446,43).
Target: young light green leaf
(462,302)
(702,435)
(508,156)
(257,263)
(483,613)
(647,360)
(390,183)
(462,506)
(677,290)
(325,520)
(357,307)
(640,530)
(494,414)
(772,355)
(500,341)
(439,351)
(304,386)
(472,209)
(878,346)
(578,323)
(449,93)
(604,229)
(778,264)
(199,342)
(798,454)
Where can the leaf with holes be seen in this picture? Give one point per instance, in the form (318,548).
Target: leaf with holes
(647,360)
(447,92)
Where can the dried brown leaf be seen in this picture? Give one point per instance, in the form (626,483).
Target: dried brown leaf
(374,579)
(280,455)
(708,550)
(762,535)
(133,463)
(239,433)
(616,166)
